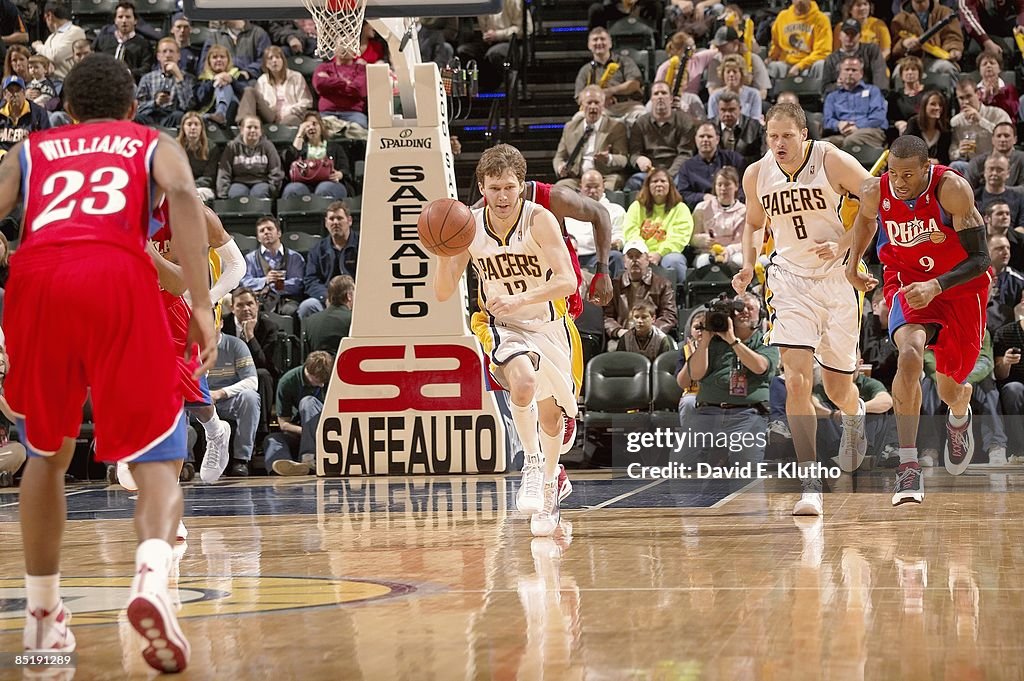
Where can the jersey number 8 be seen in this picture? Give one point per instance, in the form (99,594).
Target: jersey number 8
(107,182)
(798,225)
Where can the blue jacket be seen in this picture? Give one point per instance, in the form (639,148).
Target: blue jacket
(864,105)
(320,264)
(294,271)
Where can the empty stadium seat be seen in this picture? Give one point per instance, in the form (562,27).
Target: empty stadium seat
(303,214)
(300,242)
(665,392)
(239,215)
(618,390)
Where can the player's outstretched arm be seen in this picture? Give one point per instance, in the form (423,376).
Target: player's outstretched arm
(569,204)
(956,197)
(449,272)
(173,176)
(864,227)
(753,229)
(232,263)
(10,180)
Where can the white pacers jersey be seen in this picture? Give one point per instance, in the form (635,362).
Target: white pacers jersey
(513,263)
(802,208)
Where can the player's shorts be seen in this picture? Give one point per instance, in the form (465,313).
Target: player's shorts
(959,317)
(554,348)
(821,314)
(179,314)
(91,319)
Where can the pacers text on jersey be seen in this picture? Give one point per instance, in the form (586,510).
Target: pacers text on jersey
(509,265)
(107,144)
(793,200)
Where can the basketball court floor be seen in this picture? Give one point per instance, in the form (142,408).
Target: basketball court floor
(439,579)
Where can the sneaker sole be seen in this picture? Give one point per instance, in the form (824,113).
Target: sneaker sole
(806,509)
(125,479)
(526,508)
(166,649)
(898,500)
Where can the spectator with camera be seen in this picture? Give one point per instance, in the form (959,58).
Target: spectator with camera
(733,367)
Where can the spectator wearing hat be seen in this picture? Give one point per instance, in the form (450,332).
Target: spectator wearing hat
(850,45)
(872,29)
(19,116)
(728,42)
(639,282)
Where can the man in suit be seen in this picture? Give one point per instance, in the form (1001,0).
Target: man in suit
(593,141)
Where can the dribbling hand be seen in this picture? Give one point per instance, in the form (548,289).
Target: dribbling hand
(601,290)
(200,330)
(862,281)
(742,280)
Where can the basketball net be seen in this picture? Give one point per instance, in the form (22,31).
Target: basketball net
(339,25)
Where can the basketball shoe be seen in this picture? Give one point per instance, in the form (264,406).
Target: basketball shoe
(544,523)
(909,486)
(151,614)
(810,502)
(216,458)
(569,437)
(181,534)
(48,631)
(125,478)
(854,444)
(959,444)
(564,486)
(530,498)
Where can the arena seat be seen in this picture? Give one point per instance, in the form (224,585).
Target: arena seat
(665,392)
(239,215)
(303,214)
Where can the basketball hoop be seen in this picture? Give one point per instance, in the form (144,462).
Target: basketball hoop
(339,24)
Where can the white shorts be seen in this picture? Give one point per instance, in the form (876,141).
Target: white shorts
(554,349)
(820,314)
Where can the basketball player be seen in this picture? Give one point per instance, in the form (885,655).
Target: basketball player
(566,203)
(525,277)
(800,186)
(83,312)
(936,282)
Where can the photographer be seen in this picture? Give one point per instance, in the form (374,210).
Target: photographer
(733,368)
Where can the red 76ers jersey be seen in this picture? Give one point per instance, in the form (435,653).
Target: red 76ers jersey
(88,184)
(916,239)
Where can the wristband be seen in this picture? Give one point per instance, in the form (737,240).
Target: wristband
(601,268)
(734,343)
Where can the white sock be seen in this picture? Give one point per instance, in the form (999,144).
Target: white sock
(525,419)
(908,455)
(213,426)
(156,555)
(957,421)
(43,591)
(551,446)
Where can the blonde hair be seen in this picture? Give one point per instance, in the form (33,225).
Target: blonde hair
(498,159)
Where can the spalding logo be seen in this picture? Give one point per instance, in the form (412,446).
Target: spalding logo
(405,141)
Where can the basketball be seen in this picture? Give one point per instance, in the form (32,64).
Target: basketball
(446,227)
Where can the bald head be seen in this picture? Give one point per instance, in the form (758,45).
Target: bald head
(592,185)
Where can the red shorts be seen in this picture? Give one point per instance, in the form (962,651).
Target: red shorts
(179,314)
(86,319)
(960,318)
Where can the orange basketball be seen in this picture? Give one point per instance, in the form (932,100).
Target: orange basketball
(446,227)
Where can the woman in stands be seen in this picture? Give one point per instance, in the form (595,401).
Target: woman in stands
(16,62)
(905,103)
(662,221)
(220,88)
(250,165)
(280,94)
(932,125)
(733,72)
(873,30)
(310,150)
(203,157)
(718,222)
(993,90)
